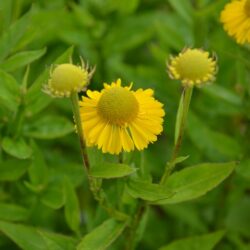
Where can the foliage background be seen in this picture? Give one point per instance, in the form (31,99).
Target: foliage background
(40,165)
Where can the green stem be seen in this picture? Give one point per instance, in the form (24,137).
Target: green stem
(19,116)
(132,234)
(142,164)
(120,158)
(186,95)
(77,117)
(97,192)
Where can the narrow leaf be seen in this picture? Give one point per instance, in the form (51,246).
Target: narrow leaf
(195,181)
(12,36)
(179,118)
(9,92)
(111,170)
(223,93)
(37,100)
(27,238)
(12,212)
(214,144)
(102,236)
(180,159)
(30,238)
(12,170)
(183,8)
(16,147)
(38,171)
(71,210)
(54,196)
(21,59)
(244,168)
(204,242)
(57,241)
(148,191)
(49,127)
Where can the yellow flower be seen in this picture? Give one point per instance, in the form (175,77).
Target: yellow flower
(192,67)
(67,78)
(236,20)
(118,118)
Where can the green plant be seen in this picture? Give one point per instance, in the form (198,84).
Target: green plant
(45,200)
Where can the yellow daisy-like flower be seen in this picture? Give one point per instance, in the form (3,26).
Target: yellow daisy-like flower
(236,20)
(118,118)
(67,78)
(192,67)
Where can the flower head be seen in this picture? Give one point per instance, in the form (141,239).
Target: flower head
(67,78)
(118,118)
(236,20)
(192,67)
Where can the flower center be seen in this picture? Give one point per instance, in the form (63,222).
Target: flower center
(193,65)
(118,105)
(247,8)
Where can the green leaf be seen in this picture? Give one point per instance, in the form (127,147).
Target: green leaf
(188,214)
(193,182)
(102,236)
(238,216)
(16,147)
(183,8)
(244,169)
(54,196)
(71,210)
(21,59)
(12,212)
(5,14)
(35,99)
(12,36)
(26,238)
(128,7)
(30,238)
(12,170)
(138,28)
(180,159)
(222,93)
(168,35)
(38,171)
(108,170)
(49,127)
(204,242)
(57,241)
(75,173)
(182,113)
(214,144)
(179,116)
(148,191)
(9,92)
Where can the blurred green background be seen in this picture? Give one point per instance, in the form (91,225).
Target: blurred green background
(131,40)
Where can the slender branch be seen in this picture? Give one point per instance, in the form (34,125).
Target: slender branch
(131,242)
(120,158)
(187,95)
(77,117)
(97,192)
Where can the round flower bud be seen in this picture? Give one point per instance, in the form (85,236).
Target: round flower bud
(67,78)
(192,67)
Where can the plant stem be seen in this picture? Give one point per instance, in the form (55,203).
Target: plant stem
(120,158)
(187,95)
(77,117)
(132,236)
(96,190)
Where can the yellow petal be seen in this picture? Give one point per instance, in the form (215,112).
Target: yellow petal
(126,140)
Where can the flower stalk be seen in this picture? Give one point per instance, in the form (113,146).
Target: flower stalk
(76,111)
(180,125)
(98,193)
